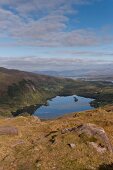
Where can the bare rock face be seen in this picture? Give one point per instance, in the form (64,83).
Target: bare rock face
(8,130)
(98,148)
(72,145)
(93,134)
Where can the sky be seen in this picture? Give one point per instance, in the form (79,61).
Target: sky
(55,30)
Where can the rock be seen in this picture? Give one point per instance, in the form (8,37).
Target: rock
(71,145)
(20,142)
(92,131)
(52,140)
(98,148)
(36,118)
(38,164)
(8,130)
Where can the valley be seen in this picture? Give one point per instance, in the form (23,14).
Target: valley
(81,140)
(23,92)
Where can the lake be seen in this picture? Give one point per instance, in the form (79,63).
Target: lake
(59,106)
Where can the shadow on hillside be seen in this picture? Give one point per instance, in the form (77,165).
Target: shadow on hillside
(106,167)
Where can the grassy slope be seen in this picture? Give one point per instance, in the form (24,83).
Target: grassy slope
(19,89)
(32,149)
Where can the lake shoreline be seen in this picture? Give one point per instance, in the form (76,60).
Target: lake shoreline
(30,110)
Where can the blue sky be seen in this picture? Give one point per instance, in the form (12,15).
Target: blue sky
(79,29)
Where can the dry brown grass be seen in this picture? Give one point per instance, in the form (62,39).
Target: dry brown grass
(40,145)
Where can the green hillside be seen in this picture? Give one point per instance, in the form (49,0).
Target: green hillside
(24,91)
(19,89)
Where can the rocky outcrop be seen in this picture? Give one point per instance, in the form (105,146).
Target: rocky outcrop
(93,132)
(8,130)
(100,149)
(72,145)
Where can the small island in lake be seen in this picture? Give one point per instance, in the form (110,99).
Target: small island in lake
(75,99)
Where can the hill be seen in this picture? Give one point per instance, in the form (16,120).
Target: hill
(81,141)
(19,89)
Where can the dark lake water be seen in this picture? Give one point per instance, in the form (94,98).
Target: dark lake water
(59,106)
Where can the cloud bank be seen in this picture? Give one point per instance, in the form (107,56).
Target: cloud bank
(53,64)
(45,23)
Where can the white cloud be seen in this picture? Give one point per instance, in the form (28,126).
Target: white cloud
(54,64)
(25,6)
(44,23)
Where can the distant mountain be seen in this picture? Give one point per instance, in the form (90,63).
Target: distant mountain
(94,73)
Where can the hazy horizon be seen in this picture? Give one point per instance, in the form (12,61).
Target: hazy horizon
(41,35)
